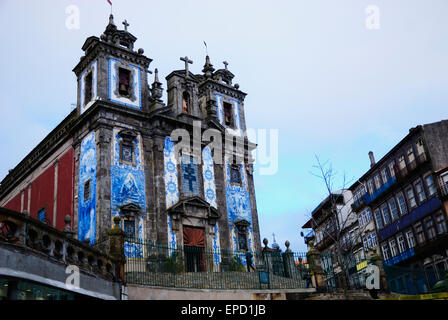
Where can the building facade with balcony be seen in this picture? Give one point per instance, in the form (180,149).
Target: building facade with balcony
(400,193)
(354,253)
(368,243)
(330,223)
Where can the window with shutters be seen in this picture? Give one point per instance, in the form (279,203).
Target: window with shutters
(385,250)
(386,215)
(441,223)
(401,245)
(419,232)
(378,219)
(393,248)
(393,209)
(410,239)
(401,203)
(430,229)
(430,184)
(420,191)
(411,198)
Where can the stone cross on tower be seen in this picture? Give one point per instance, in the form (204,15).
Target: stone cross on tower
(186,64)
(225,64)
(126,25)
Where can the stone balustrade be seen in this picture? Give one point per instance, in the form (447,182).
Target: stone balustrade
(24,233)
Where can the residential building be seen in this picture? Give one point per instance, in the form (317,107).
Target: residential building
(329,222)
(400,194)
(368,243)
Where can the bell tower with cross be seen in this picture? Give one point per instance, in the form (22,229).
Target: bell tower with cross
(183,91)
(112,71)
(113,92)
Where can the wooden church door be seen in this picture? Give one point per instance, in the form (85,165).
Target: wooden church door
(194,248)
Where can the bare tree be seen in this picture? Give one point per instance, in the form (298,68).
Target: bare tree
(344,217)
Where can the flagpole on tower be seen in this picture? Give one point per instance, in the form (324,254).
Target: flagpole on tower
(206,49)
(110,2)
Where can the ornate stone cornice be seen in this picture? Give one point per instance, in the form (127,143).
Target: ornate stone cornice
(210,84)
(109,49)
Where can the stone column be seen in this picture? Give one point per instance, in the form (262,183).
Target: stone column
(103,185)
(317,275)
(151,224)
(253,205)
(116,248)
(159,201)
(288,262)
(375,260)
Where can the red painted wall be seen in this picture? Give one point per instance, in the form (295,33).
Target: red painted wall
(25,199)
(14,203)
(65,188)
(42,194)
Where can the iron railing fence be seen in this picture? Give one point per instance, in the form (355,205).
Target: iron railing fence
(156,264)
(416,281)
(334,274)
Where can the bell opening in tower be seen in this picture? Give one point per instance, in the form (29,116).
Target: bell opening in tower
(124,88)
(88,87)
(186,102)
(228,119)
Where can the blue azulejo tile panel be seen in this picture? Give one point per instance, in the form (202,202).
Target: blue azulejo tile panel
(189,175)
(87,190)
(170,174)
(171,185)
(219,101)
(134,100)
(172,242)
(83,103)
(208,172)
(238,207)
(216,246)
(236,114)
(128,186)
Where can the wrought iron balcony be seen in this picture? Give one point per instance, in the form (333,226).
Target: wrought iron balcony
(360,203)
(405,221)
(400,257)
(380,191)
(422,158)
(402,173)
(411,166)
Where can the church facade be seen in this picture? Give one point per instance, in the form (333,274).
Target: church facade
(116,155)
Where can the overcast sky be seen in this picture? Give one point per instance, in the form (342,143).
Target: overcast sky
(312,70)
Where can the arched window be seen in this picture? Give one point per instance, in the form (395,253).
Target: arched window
(186,103)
